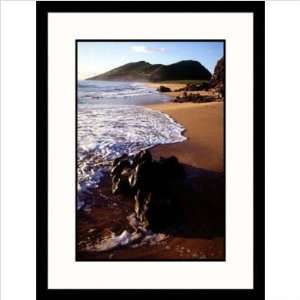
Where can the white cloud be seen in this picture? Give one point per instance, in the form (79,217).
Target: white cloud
(145,49)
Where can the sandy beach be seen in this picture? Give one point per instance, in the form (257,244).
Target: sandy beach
(202,236)
(204,131)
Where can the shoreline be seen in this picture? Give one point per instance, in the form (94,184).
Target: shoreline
(176,86)
(202,155)
(204,129)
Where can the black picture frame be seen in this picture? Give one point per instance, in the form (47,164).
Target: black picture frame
(258,10)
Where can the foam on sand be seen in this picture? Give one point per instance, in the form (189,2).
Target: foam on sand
(107,132)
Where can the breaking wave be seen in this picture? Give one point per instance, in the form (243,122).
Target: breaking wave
(93,89)
(105,133)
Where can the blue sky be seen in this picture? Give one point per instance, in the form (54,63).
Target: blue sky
(98,57)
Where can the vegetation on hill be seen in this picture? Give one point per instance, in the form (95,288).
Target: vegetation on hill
(144,71)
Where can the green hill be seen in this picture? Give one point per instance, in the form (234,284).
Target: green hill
(144,71)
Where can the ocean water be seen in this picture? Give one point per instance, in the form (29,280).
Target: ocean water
(111,121)
(111,92)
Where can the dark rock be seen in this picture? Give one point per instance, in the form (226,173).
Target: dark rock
(141,177)
(159,211)
(221,90)
(163,89)
(204,86)
(143,155)
(139,201)
(217,81)
(172,168)
(122,157)
(179,90)
(153,185)
(198,98)
(190,87)
(215,84)
(120,185)
(119,167)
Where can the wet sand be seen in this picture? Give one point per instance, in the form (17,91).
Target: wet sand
(202,236)
(204,131)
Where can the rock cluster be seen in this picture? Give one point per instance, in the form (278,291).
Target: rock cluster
(163,89)
(190,87)
(217,80)
(153,185)
(196,98)
(216,85)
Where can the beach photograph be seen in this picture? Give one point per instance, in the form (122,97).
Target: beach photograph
(150,150)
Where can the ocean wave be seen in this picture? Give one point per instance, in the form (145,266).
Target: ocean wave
(136,238)
(126,238)
(108,132)
(91,89)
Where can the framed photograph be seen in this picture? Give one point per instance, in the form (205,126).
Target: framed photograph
(150,149)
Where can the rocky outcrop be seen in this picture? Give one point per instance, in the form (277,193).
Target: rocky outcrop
(191,87)
(216,86)
(217,80)
(194,97)
(152,185)
(163,89)
(196,87)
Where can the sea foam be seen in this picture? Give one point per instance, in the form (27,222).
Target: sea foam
(106,132)
(95,89)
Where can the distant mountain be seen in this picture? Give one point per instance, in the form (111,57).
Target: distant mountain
(144,71)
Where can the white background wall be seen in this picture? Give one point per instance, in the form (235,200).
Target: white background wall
(18,150)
